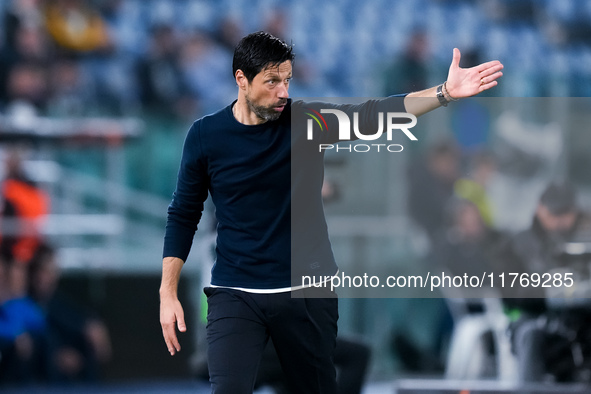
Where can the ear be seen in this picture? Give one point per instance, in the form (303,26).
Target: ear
(241,80)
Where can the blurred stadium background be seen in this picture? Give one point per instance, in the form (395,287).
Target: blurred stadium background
(96,97)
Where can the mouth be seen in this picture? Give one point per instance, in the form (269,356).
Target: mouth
(280,107)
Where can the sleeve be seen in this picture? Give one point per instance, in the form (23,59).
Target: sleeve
(364,116)
(186,208)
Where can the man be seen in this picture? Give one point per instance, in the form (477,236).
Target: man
(77,340)
(242,156)
(542,336)
(22,206)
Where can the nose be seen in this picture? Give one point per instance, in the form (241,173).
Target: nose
(282,93)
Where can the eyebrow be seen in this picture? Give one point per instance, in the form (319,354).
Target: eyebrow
(274,71)
(276,76)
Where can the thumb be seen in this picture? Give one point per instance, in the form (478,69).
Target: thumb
(180,322)
(456,58)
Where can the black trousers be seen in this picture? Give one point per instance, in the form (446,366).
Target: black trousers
(351,359)
(303,331)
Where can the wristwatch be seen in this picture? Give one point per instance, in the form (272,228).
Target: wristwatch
(440,96)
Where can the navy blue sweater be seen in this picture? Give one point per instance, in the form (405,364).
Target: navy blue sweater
(257,176)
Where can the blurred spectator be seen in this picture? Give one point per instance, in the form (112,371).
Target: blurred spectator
(466,244)
(76,26)
(20,14)
(118,28)
(203,61)
(30,46)
(160,77)
(558,219)
(70,94)
(22,325)
(409,73)
(543,337)
(26,93)
(473,187)
(23,206)
(431,181)
(80,32)
(466,247)
(463,246)
(77,340)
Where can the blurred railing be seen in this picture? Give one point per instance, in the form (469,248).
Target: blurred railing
(96,222)
(124,235)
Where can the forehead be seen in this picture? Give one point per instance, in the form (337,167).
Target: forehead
(276,69)
(548,212)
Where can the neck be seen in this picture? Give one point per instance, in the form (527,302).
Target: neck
(244,114)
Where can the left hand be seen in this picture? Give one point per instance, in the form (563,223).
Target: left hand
(467,82)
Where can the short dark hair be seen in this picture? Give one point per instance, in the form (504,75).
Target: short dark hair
(559,198)
(259,50)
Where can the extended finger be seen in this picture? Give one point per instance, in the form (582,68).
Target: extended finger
(487,86)
(492,64)
(490,71)
(172,343)
(490,78)
(169,345)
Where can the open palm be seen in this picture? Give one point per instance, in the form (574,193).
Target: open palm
(467,82)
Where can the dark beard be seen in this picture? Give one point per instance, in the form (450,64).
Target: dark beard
(262,112)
